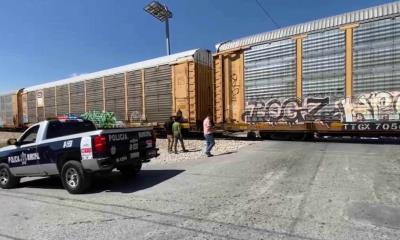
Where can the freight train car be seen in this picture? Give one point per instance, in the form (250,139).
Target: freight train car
(337,75)
(9,110)
(143,93)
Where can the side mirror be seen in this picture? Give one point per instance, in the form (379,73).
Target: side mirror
(12,141)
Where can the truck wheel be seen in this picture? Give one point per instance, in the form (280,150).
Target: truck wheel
(74,178)
(7,180)
(132,170)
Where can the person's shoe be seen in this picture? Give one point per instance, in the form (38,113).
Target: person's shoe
(185,150)
(176,152)
(209,155)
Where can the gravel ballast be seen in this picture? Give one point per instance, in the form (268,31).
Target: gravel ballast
(196,150)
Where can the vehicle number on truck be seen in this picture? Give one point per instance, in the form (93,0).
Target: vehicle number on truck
(68,144)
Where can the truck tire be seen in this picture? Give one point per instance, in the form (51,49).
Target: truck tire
(74,178)
(131,170)
(7,180)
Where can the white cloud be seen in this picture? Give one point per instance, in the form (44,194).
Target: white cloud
(76,74)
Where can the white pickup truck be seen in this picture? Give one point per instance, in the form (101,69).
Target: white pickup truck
(74,149)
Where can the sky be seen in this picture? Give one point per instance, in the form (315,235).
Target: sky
(48,40)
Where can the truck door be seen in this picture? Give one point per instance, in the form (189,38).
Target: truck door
(24,160)
(49,150)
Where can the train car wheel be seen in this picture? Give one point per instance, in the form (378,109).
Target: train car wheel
(298,136)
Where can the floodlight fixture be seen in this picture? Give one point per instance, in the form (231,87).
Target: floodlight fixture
(162,13)
(158,11)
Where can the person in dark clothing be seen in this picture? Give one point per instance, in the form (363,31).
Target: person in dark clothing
(179,116)
(168,128)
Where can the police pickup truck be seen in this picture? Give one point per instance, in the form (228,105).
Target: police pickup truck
(74,149)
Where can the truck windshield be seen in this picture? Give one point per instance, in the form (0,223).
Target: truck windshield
(60,129)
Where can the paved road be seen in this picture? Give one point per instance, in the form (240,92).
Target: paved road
(271,190)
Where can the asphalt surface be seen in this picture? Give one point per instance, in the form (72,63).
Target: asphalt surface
(268,190)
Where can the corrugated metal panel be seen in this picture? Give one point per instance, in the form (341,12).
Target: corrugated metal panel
(115,95)
(183,90)
(24,99)
(270,71)
(6,110)
(32,107)
(233,86)
(204,90)
(386,10)
(192,94)
(158,93)
(2,112)
(377,56)
(49,102)
(62,99)
(203,57)
(8,107)
(218,89)
(40,114)
(177,57)
(94,94)
(77,98)
(135,99)
(324,67)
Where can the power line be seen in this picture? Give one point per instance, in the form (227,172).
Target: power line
(268,15)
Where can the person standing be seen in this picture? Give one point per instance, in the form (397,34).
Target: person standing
(208,129)
(170,136)
(176,130)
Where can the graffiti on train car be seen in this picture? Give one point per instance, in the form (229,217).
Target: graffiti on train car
(291,110)
(374,106)
(235,86)
(136,116)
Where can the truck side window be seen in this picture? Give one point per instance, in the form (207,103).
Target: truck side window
(60,129)
(30,136)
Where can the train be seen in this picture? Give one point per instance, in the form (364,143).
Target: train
(143,93)
(338,75)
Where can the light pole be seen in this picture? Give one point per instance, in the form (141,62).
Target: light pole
(162,13)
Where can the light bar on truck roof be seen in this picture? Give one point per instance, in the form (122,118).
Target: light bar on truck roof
(69,117)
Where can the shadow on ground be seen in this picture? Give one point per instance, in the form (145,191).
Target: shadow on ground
(111,182)
(226,153)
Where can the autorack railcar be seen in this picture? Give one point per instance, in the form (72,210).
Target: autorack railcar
(336,75)
(143,93)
